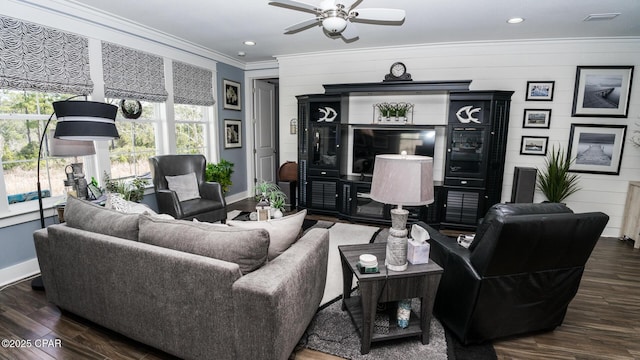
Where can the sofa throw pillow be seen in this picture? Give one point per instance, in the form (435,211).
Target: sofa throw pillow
(245,247)
(185,186)
(283,232)
(84,215)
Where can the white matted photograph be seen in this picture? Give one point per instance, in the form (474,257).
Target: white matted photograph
(232,134)
(534,145)
(596,149)
(602,91)
(232,99)
(536,118)
(540,90)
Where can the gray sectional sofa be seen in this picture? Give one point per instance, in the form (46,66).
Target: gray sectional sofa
(207,293)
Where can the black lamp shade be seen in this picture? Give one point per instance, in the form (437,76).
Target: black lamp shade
(85,120)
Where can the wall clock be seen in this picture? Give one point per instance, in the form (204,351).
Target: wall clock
(397,71)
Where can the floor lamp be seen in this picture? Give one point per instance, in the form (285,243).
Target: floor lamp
(77,120)
(403,180)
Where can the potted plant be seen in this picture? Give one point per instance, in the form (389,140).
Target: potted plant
(273,194)
(130,189)
(385,111)
(220,173)
(555,181)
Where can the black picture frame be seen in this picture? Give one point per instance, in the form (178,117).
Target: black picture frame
(232,134)
(596,149)
(602,91)
(232,95)
(540,90)
(536,118)
(534,145)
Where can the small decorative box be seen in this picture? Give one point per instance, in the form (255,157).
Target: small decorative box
(417,252)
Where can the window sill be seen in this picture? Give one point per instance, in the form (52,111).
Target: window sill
(28,211)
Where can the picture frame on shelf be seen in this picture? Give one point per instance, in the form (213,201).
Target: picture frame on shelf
(540,90)
(232,134)
(536,118)
(596,149)
(534,145)
(602,91)
(232,95)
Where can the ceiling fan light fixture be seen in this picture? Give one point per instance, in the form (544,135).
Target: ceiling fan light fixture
(334,25)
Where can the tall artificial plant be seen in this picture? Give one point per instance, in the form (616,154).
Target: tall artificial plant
(555,181)
(220,173)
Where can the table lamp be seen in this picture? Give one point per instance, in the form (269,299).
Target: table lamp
(403,180)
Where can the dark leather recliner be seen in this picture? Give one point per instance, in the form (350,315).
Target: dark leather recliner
(519,274)
(210,207)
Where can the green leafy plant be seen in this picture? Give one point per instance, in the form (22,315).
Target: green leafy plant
(220,173)
(272,193)
(130,189)
(555,181)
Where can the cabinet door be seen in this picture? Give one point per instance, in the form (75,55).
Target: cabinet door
(463,206)
(466,152)
(324,147)
(324,194)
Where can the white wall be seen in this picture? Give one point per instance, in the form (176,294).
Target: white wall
(492,66)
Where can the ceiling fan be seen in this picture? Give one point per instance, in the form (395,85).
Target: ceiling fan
(336,16)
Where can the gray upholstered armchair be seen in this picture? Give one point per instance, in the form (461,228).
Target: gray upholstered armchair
(209,205)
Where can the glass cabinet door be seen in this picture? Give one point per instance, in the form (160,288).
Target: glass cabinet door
(324,146)
(466,147)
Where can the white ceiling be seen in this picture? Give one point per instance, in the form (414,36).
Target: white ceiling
(223,26)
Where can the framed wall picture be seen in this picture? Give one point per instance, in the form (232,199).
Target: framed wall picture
(232,134)
(536,118)
(602,91)
(534,145)
(540,90)
(596,149)
(232,99)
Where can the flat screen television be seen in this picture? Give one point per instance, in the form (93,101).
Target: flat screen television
(369,142)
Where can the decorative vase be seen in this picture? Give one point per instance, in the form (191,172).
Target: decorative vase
(277,214)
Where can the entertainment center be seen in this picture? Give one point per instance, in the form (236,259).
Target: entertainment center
(337,149)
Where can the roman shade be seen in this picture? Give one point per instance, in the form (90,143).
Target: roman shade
(192,85)
(39,58)
(132,74)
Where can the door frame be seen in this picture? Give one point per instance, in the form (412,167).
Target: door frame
(249,77)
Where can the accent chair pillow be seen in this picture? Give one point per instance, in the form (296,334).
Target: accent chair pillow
(246,247)
(84,215)
(185,186)
(283,232)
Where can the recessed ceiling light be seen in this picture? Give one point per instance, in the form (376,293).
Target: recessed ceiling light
(249,43)
(595,17)
(515,20)
(241,53)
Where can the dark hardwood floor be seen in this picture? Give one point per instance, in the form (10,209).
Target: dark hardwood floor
(603,321)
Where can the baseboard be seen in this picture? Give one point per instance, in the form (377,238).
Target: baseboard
(20,271)
(237,197)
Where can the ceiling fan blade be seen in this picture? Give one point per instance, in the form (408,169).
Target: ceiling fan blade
(301,26)
(349,4)
(296,4)
(350,32)
(379,14)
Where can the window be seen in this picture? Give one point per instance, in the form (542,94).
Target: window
(130,153)
(191,121)
(23,116)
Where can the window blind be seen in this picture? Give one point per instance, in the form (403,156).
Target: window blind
(132,74)
(38,58)
(192,85)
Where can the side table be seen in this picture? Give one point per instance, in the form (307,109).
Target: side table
(418,281)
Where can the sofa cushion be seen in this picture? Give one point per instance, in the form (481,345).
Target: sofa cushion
(246,247)
(84,215)
(283,232)
(501,210)
(185,186)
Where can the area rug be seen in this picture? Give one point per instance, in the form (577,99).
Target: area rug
(332,332)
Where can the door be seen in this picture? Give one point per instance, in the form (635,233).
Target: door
(265,131)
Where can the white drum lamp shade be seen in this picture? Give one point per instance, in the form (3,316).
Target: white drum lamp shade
(403,180)
(68,148)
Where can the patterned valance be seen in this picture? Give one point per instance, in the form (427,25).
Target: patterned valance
(192,85)
(132,74)
(39,58)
